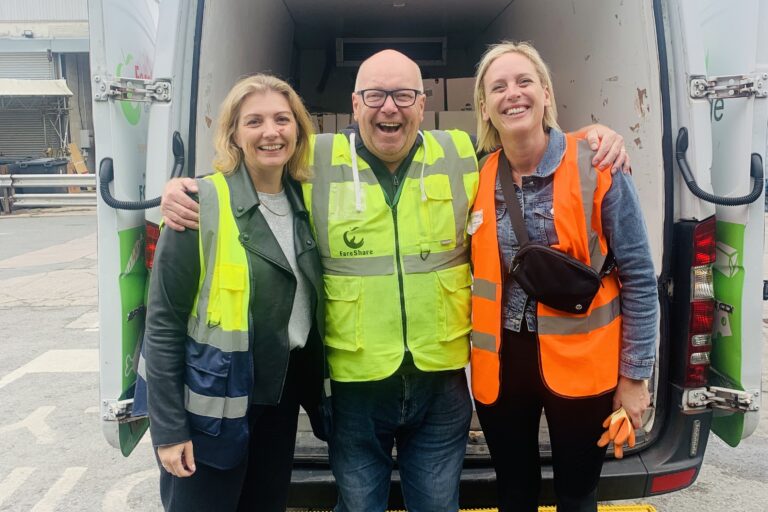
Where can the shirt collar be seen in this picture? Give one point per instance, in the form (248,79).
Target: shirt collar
(553,155)
(243,196)
(241,192)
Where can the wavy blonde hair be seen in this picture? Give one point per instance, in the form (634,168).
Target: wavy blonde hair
(229,156)
(487,135)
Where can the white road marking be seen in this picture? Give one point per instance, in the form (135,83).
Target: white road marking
(72,250)
(13,481)
(116,499)
(87,321)
(36,424)
(92,410)
(57,361)
(59,489)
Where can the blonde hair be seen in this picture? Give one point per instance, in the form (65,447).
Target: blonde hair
(229,156)
(487,135)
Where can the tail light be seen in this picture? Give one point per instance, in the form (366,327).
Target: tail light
(673,481)
(150,244)
(702,306)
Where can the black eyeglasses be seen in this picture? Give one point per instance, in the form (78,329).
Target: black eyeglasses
(375,98)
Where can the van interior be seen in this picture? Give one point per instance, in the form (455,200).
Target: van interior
(604,59)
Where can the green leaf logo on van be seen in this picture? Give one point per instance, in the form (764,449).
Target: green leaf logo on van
(131,111)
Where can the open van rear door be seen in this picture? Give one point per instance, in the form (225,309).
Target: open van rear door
(725,70)
(122,44)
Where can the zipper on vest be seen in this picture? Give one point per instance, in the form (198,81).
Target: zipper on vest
(400,279)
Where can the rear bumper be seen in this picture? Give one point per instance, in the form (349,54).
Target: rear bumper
(674,450)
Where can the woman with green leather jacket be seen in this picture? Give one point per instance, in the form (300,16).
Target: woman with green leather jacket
(233,341)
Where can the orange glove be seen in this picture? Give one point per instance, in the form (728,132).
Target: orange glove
(619,430)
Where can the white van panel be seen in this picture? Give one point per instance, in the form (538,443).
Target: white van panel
(173,61)
(238,39)
(738,130)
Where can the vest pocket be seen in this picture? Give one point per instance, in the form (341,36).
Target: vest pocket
(229,302)
(442,225)
(206,376)
(343,312)
(456,299)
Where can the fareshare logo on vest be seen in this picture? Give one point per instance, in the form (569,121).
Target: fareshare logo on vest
(350,240)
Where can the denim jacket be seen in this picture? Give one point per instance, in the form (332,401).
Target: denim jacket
(621,214)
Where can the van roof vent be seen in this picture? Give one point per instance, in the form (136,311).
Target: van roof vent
(426,51)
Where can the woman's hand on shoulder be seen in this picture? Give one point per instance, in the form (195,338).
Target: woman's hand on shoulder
(632,394)
(179,210)
(177,459)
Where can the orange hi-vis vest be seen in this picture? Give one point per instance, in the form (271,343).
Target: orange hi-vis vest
(578,353)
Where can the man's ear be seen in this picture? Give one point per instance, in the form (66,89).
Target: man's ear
(355,106)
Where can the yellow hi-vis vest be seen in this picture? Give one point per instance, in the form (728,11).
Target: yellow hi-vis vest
(394,277)
(218,378)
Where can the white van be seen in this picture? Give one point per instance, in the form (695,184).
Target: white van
(684,81)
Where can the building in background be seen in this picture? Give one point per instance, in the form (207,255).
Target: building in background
(45,89)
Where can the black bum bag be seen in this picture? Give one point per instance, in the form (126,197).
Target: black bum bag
(554,278)
(550,276)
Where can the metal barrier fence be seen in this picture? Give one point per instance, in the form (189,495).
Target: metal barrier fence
(10,199)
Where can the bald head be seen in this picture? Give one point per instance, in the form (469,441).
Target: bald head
(388,130)
(387,62)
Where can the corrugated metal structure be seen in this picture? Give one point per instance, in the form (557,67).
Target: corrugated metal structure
(33,117)
(43,10)
(22,134)
(36,66)
(44,40)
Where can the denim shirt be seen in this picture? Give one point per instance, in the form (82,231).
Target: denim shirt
(621,213)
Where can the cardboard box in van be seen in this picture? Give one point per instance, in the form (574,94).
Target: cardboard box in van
(459,93)
(434,90)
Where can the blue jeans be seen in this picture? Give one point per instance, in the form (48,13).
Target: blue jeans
(426,414)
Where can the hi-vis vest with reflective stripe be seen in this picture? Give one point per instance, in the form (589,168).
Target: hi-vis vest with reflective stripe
(579,354)
(394,276)
(218,357)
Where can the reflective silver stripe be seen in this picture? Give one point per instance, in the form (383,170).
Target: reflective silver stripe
(483,341)
(413,263)
(484,289)
(321,190)
(327,387)
(213,335)
(209,230)
(588,180)
(141,368)
(215,407)
(458,191)
(362,266)
(600,317)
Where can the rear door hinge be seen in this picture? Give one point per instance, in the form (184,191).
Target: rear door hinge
(131,89)
(696,399)
(728,86)
(117,410)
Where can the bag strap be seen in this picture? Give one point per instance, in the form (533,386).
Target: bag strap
(513,205)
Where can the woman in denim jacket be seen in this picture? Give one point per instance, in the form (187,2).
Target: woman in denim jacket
(514,379)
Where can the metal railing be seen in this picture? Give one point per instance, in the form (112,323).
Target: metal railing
(10,199)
